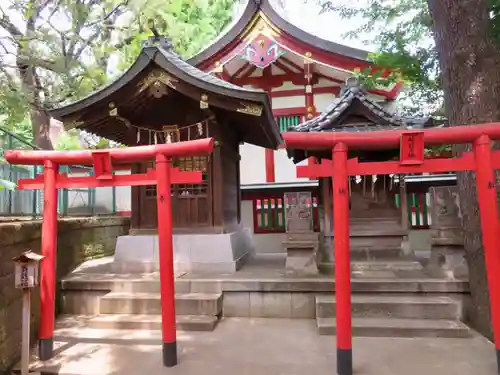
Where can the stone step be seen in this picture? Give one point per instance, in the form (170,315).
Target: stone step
(379,253)
(384,327)
(300,244)
(372,242)
(304,236)
(150,304)
(151,322)
(394,306)
(385,265)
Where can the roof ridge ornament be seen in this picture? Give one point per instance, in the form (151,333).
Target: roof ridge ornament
(159,41)
(352,84)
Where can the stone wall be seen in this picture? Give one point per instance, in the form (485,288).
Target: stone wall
(79,239)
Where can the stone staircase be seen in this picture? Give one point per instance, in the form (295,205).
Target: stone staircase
(137,305)
(382,306)
(398,315)
(378,245)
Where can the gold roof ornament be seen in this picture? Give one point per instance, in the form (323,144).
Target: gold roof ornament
(251,109)
(204,101)
(157,78)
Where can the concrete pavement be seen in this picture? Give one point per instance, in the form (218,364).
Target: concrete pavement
(259,346)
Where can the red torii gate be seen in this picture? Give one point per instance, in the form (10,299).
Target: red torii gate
(163,175)
(482,160)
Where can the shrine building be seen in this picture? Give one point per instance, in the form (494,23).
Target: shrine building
(163,99)
(262,76)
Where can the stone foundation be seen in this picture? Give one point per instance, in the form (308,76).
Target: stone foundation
(447,250)
(203,253)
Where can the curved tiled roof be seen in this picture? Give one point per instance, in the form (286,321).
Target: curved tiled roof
(264,6)
(331,118)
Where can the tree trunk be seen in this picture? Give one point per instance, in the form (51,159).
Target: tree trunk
(40,119)
(470,65)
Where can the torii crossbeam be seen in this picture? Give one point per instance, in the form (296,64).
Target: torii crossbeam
(163,175)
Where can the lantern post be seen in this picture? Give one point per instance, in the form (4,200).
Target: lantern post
(26,268)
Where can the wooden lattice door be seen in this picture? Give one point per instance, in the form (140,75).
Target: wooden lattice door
(191,203)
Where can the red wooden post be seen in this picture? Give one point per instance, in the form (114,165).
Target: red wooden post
(49,251)
(166,255)
(342,259)
(488,211)
(270,169)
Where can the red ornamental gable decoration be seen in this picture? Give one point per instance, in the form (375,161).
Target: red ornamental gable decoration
(262,52)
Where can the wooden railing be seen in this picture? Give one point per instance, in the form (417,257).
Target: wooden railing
(419,210)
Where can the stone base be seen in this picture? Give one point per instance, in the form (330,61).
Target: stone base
(192,252)
(301,261)
(448,261)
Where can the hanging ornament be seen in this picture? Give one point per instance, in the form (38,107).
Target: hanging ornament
(156,138)
(204,101)
(138,136)
(374,180)
(358,179)
(200,129)
(169,138)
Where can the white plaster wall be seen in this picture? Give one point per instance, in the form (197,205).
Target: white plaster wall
(268,243)
(322,101)
(252,164)
(325,83)
(288,86)
(289,102)
(285,169)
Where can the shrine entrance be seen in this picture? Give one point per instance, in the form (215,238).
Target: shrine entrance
(164,178)
(191,203)
(411,144)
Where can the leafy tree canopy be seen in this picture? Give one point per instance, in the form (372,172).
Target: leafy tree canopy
(56,51)
(401,31)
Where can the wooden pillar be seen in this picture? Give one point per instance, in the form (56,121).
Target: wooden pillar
(270,169)
(49,251)
(488,213)
(309,99)
(166,254)
(269,157)
(403,202)
(340,187)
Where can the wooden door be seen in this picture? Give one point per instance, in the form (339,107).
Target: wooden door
(191,203)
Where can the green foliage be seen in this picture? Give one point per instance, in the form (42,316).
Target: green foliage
(7,185)
(401,30)
(189,24)
(69,141)
(56,51)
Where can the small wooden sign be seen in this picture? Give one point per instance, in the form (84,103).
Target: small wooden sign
(102,165)
(26,269)
(412,148)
